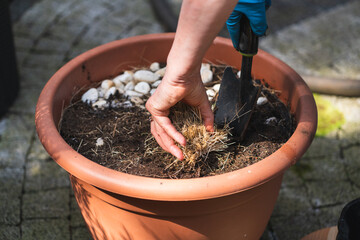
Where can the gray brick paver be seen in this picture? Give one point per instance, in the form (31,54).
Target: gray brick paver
(46,204)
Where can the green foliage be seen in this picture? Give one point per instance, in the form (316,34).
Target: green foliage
(329,117)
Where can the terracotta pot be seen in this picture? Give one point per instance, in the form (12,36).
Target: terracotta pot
(117,205)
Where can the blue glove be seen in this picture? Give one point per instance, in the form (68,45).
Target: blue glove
(255,12)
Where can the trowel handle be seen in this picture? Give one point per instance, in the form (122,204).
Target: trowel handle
(248,42)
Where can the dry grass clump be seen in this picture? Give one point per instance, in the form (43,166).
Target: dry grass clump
(199,142)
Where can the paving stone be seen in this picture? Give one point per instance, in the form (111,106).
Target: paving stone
(76,219)
(42,175)
(352,164)
(15,134)
(329,216)
(11,180)
(37,152)
(80,233)
(34,78)
(324,193)
(47,45)
(9,232)
(328,168)
(26,102)
(323,147)
(23,43)
(45,60)
(293,215)
(45,229)
(46,204)
(9,209)
(291,178)
(311,48)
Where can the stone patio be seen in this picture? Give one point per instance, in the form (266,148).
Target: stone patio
(36,200)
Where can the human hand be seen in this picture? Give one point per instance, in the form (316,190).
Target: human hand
(177,86)
(255,12)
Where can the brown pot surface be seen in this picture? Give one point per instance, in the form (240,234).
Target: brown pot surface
(110,59)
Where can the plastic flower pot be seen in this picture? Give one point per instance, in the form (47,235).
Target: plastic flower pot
(115,205)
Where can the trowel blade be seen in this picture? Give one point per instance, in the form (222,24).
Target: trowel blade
(235,103)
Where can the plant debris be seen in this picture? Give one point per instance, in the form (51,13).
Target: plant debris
(119,137)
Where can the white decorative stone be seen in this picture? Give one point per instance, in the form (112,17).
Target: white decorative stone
(156,84)
(152,91)
(110,92)
(129,86)
(205,66)
(131,93)
(99,142)
(137,101)
(154,66)
(206,76)
(142,87)
(100,104)
(90,96)
(210,93)
(271,121)
(238,74)
(161,72)
(261,101)
(216,87)
(120,90)
(126,104)
(118,83)
(124,78)
(146,76)
(106,84)
(101,92)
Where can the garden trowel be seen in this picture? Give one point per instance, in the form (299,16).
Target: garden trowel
(237,97)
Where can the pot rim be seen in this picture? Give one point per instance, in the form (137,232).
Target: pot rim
(172,189)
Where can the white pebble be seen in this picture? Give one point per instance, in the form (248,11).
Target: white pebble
(261,101)
(126,77)
(106,84)
(206,76)
(156,84)
(118,83)
(129,86)
(126,104)
(142,87)
(210,93)
(137,101)
(110,92)
(131,93)
(154,66)
(101,92)
(152,91)
(161,72)
(271,121)
(101,104)
(120,90)
(90,96)
(216,87)
(146,76)
(205,66)
(99,142)
(238,74)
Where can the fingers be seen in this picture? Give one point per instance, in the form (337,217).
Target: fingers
(207,115)
(165,141)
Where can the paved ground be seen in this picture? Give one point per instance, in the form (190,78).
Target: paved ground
(36,201)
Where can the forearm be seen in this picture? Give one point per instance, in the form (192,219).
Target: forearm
(199,23)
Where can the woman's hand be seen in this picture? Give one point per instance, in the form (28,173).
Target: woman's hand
(177,86)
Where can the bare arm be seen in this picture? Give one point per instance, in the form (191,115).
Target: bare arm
(199,23)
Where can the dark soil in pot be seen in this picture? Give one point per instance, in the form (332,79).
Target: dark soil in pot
(119,138)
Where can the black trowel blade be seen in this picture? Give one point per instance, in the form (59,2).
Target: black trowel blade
(235,103)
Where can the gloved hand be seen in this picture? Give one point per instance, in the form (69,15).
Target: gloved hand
(255,12)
